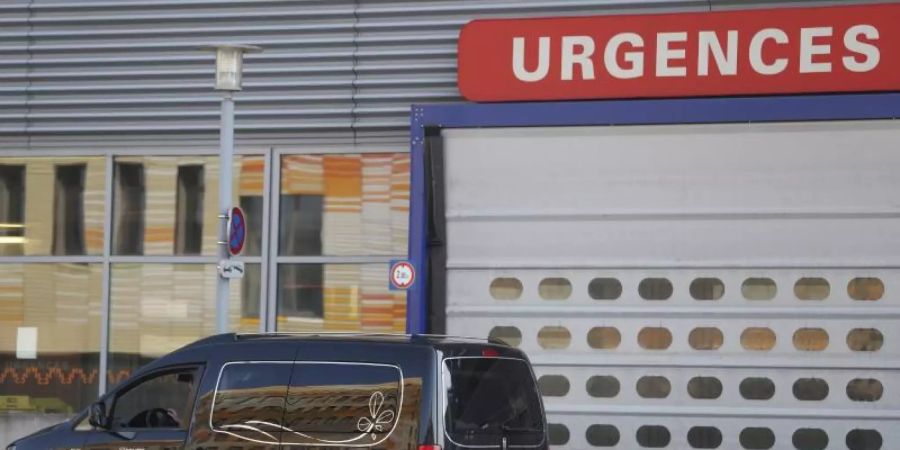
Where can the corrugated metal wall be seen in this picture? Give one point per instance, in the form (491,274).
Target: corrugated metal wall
(89,73)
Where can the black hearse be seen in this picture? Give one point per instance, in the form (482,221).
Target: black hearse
(267,391)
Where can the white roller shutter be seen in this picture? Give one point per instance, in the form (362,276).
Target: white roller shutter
(704,286)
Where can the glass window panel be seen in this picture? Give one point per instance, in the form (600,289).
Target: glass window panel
(704,437)
(810,439)
(655,338)
(865,340)
(249,173)
(653,436)
(129,196)
(757,388)
(338,297)
(812,289)
(604,338)
(605,289)
(705,388)
(162,401)
(510,335)
(12,209)
(506,288)
(655,289)
(653,387)
(602,435)
(348,204)
(68,210)
(557,434)
(603,386)
(864,440)
(554,337)
(52,206)
(157,308)
(168,205)
(865,289)
(707,289)
(810,389)
(49,338)
(555,289)
(706,338)
(757,438)
(189,209)
(759,289)
(758,339)
(553,385)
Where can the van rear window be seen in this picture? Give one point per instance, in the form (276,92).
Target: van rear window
(492,399)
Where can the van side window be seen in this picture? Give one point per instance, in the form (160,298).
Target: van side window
(310,403)
(249,401)
(348,403)
(162,401)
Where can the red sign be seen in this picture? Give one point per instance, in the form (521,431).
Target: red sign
(772,51)
(237,231)
(402,275)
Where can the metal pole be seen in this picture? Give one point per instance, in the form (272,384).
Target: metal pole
(226,152)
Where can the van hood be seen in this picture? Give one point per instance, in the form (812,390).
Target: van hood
(37,435)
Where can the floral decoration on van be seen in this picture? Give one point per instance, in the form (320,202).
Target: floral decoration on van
(379,419)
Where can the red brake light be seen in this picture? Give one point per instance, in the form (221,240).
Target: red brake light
(429,447)
(490,353)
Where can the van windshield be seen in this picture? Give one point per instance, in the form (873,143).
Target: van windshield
(489,399)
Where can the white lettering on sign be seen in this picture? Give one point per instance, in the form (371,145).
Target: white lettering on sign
(726,59)
(543,65)
(636,59)
(870,52)
(582,58)
(624,54)
(665,54)
(809,50)
(756,52)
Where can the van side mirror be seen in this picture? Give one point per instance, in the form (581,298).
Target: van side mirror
(97,416)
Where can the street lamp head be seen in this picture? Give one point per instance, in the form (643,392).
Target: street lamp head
(229,64)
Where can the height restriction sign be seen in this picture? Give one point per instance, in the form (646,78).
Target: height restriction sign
(402,275)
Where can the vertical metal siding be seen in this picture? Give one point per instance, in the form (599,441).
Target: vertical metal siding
(83,73)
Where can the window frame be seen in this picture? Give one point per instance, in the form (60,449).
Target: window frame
(116,395)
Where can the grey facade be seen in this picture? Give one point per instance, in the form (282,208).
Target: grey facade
(89,74)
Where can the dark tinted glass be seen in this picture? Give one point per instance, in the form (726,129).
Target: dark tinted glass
(810,439)
(68,210)
(129,198)
(489,398)
(705,388)
(757,388)
(248,393)
(653,436)
(704,437)
(163,401)
(602,435)
(559,434)
(349,403)
(864,440)
(189,210)
(301,224)
(757,438)
(810,389)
